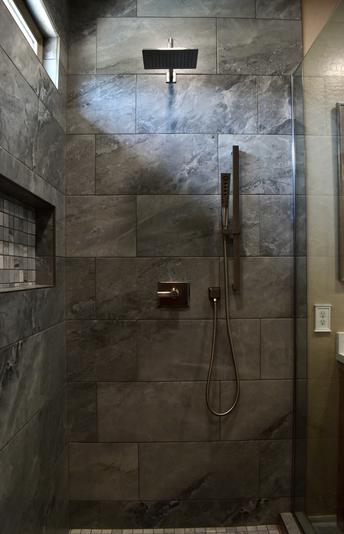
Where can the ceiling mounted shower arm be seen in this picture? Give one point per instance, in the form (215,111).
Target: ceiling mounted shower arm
(235,227)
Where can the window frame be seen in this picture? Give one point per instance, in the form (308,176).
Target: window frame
(39,24)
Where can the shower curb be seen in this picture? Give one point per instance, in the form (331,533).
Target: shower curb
(289,524)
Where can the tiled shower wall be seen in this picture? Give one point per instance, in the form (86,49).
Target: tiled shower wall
(33,483)
(17,244)
(143,205)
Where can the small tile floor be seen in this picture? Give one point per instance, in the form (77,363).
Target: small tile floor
(266,529)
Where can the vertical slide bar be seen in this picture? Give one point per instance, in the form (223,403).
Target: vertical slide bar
(236,219)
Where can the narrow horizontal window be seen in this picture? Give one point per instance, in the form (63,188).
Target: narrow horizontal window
(34,21)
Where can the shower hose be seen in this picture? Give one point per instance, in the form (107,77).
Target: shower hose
(230,342)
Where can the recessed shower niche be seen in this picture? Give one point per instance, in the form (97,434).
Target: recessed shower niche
(27,239)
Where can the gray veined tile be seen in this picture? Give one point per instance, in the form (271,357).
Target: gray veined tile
(49,148)
(82,411)
(276,225)
(265,162)
(196,8)
(19,112)
(264,411)
(268,277)
(275,468)
(278,9)
(103,471)
(156,411)
(178,225)
(80,288)
(101,226)
(156,164)
(197,104)
(101,350)
(277,348)
(274,105)
(120,42)
(83,50)
(198,470)
(179,349)
(126,288)
(258,47)
(101,104)
(80,164)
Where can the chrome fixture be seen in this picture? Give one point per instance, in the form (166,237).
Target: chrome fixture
(173,294)
(170,58)
(229,231)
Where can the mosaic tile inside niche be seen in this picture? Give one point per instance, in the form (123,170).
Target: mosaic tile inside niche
(17,244)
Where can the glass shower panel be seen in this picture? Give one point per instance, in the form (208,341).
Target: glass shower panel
(318,85)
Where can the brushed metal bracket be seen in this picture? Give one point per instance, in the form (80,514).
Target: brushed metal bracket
(173,294)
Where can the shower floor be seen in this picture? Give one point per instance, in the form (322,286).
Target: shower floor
(266,529)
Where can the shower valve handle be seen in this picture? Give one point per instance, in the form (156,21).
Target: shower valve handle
(172,294)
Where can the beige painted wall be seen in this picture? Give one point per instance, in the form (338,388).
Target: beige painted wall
(323,88)
(315,13)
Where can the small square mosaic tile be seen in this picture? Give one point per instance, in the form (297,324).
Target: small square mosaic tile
(267,529)
(17,244)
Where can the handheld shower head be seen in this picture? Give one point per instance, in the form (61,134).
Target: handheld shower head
(225,188)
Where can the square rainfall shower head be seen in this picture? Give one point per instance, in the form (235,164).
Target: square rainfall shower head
(170,58)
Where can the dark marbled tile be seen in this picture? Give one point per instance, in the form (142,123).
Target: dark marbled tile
(85,513)
(258,47)
(156,411)
(276,225)
(178,225)
(198,470)
(126,288)
(83,30)
(278,9)
(118,53)
(265,162)
(264,411)
(82,411)
(80,288)
(20,474)
(32,372)
(250,226)
(277,348)
(23,57)
(83,49)
(179,513)
(49,148)
(83,11)
(101,104)
(23,313)
(80,164)
(275,469)
(268,277)
(156,164)
(26,467)
(196,8)
(224,104)
(180,350)
(101,350)
(14,43)
(19,112)
(101,226)
(274,105)
(101,471)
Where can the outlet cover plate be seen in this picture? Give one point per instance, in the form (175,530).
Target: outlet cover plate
(322,317)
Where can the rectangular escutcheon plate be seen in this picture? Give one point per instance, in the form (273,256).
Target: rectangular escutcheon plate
(173,294)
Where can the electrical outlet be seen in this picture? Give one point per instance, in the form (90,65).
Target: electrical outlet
(322,315)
